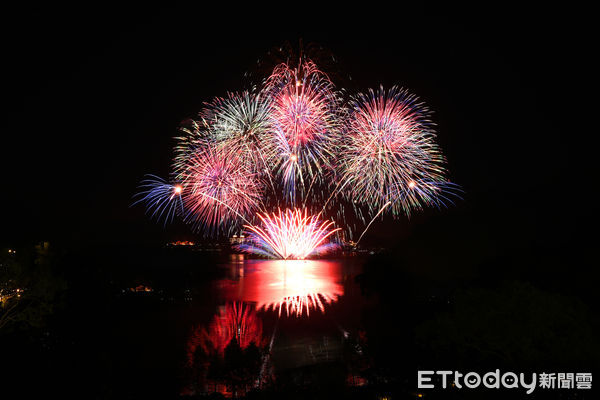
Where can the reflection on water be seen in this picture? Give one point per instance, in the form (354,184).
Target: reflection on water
(275,316)
(234,321)
(296,286)
(226,357)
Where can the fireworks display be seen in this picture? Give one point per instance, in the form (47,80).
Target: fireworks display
(163,200)
(242,125)
(389,154)
(296,143)
(304,121)
(220,189)
(289,234)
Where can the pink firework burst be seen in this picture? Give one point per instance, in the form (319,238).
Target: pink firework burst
(220,189)
(304,119)
(289,234)
(389,155)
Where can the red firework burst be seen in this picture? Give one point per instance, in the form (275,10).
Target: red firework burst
(219,190)
(304,118)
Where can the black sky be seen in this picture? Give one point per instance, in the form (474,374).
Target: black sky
(96,96)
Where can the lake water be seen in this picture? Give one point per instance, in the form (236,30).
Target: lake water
(302,315)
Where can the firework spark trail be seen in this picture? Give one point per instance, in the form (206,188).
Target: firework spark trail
(163,200)
(424,190)
(371,222)
(431,193)
(195,136)
(289,234)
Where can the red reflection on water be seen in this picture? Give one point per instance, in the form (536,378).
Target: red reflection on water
(296,286)
(235,320)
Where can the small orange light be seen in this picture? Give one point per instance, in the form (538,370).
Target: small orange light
(412,184)
(294,157)
(177,189)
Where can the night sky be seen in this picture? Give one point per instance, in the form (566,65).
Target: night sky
(96,96)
